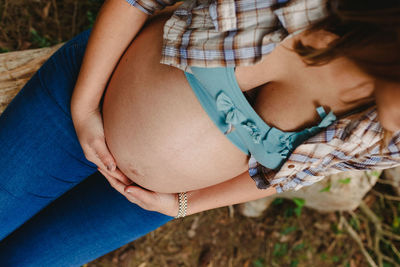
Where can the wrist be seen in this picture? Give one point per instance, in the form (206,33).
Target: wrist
(174,209)
(84,103)
(81,112)
(82,107)
(182,204)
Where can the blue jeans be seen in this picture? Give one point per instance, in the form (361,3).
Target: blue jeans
(56,209)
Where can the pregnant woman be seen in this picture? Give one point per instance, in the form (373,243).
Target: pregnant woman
(190,133)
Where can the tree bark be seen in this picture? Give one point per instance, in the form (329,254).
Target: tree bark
(16,68)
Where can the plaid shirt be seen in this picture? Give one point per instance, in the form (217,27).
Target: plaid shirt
(215,33)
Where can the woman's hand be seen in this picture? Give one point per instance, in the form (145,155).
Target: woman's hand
(165,203)
(90,132)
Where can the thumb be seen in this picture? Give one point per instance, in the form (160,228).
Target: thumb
(140,194)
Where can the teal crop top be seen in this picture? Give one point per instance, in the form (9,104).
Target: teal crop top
(221,97)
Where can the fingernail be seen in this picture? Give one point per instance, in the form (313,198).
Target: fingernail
(129,190)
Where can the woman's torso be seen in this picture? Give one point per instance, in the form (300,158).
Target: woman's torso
(162,138)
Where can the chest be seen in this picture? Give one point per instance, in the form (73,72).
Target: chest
(285,92)
(287,111)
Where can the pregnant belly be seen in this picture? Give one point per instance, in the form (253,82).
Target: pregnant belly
(155,127)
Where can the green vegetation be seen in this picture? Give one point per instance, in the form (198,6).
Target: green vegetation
(38,40)
(345,180)
(326,189)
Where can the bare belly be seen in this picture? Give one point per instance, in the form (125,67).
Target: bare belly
(155,127)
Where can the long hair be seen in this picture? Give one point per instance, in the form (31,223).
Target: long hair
(369,35)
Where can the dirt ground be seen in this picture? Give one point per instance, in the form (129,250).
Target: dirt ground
(285,235)
(280,237)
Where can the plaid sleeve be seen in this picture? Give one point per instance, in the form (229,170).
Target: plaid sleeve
(150,6)
(348,144)
(368,154)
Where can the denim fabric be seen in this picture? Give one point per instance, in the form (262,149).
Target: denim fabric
(55,208)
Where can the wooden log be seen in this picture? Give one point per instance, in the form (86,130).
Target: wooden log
(338,192)
(16,68)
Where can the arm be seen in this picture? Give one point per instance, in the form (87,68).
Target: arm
(237,190)
(116,25)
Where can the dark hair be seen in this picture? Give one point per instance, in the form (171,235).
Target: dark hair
(369,35)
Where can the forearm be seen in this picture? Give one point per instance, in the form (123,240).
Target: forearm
(237,190)
(116,25)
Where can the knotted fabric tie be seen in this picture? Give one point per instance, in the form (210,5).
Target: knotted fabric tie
(233,116)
